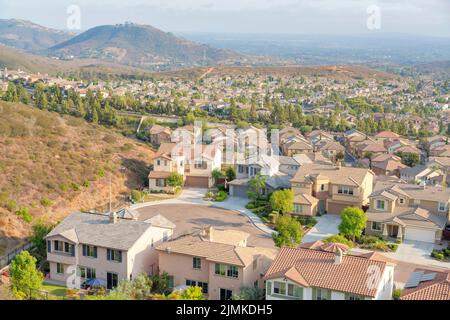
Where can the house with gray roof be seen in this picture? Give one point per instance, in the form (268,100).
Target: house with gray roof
(106,247)
(408,211)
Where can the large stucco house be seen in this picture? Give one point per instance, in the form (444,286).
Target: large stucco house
(408,211)
(218,261)
(106,247)
(310,274)
(321,187)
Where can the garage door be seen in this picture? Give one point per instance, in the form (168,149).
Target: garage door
(417,234)
(336,208)
(238,191)
(196,182)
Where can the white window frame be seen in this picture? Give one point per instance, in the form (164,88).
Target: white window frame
(440,209)
(298,208)
(379,201)
(374,229)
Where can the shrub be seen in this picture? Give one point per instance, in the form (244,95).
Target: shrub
(368,239)
(396,294)
(46,202)
(339,239)
(393,247)
(101,172)
(11,205)
(137,195)
(75,186)
(25,215)
(86,183)
(250,206)
(307,221)
(221,196)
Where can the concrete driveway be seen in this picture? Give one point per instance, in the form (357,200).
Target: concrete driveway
(417,252)
(326,226)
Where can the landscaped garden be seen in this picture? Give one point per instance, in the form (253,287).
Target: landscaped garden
(442,254)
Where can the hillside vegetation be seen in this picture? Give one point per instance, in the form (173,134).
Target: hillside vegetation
(52,165)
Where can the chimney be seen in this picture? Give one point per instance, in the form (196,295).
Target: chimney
(112,217)
(338,256)
(210,233)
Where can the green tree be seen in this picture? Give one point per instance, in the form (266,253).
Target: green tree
(37,239)
(289,232)
(217,174)
(353,222)
(230,173)
(255,185)
(175,180)
(282,201)
(25,278)
(409,159)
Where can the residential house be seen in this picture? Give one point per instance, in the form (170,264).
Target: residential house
(366,147)
(296,145)
(159,134)
(85,246)
(330,149)
(308,274)
(419,174)
(218,261)
(387,165)
(408,212)
(336,187)
(380,137)
(168,159)
(427,285)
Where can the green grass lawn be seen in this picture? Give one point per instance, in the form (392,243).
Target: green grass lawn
(58,292)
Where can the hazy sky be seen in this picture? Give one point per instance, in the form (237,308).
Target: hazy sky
(418,17)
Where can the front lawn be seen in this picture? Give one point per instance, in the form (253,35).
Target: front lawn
(54,291)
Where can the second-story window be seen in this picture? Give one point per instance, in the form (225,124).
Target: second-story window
(345,190)
(226,270)
(196,263)
(114,255)
(442,206)
(89,251)
(322,187)
(380,204)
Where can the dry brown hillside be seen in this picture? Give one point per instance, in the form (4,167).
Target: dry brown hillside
(52,165)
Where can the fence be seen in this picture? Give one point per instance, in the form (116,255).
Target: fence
(7,258)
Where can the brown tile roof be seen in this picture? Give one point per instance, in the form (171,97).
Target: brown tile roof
(155,129)
(436,289)
(200,246)
(323,246)
(313,268)
(344,175)
(305,198)
(387,134)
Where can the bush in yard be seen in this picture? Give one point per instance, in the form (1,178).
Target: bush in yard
(353,222)
(290,232)
(339,239)
(249,294)
(175,180)
(25,278)
(397,294)
(37,239)
(250,206)
(193,293)
(221,196)
(368,239)
(137,195)
(282,201)
(308,221)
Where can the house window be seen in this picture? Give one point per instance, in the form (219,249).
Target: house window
(114,255)
(322,187)
(59,246)
(298,208)
(321,294)
(200,165)
(402,201)
(240,169)
(380,204)
(355,297)
(170,282)
(161,183)
(196,263)
(376,226)
(158,162)
(442,206)
(226,270)
(279,287)
(59,268)
(290,290)
(193,283)
(64,247)
(112,279)
(89,251)
(165,236)
(87,273)
(49,246)
(255,284)
(225,294)
(345,190)
(255,264)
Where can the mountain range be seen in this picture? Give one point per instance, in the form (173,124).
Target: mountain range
(129,44)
